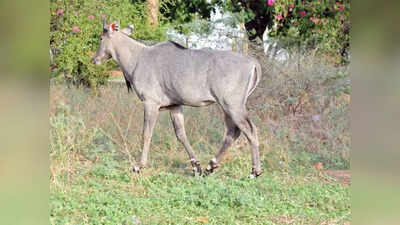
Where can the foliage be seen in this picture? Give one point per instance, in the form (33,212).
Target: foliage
(75,28)
(181,12)
(256,15)
(320,25)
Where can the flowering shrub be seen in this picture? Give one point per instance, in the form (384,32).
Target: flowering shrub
(270,2)
(75,28)
(322,25)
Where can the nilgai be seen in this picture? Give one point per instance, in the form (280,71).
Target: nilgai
(168,76)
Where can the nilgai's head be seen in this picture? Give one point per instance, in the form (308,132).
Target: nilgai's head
(108,40)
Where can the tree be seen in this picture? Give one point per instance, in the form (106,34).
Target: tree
(180,12)
(259,14)
(321,25)
(152,11)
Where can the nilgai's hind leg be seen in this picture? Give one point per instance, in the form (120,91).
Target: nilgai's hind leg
(151,112)
(232,133)
(241,119)
(179,127)
(252,137)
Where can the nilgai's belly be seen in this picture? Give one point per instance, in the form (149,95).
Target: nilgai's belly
(193,104)
(199,104)
(195,100)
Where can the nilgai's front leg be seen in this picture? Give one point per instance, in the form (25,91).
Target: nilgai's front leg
(151,112)
(179,127)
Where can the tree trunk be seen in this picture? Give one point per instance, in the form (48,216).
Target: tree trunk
(152,12)
(261,20)
(245,43)
(187,41)
(298,56)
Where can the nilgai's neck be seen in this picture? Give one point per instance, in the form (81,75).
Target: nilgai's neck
(127,52)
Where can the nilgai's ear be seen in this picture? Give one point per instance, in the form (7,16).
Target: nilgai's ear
(113,27)
(110,28)
(128,30)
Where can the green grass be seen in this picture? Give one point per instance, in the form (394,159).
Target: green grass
(106,192)
(92,183)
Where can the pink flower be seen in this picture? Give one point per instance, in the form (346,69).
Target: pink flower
(270,2)
(103,16)
(75,13)
(91,17)
(295,25)
(303,13)
(319,31)
(60,11)
(279,17)
(76,29)
(341,8)
(292,6)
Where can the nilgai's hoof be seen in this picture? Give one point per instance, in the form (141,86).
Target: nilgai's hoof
(196,168)
(255,174)
(211,167)
(197,172)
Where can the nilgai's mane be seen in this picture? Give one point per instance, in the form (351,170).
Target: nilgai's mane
(177,45)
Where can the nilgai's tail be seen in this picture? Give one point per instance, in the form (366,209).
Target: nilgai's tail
(255,76)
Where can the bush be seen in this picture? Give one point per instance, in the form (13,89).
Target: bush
(304,109)
(321,25)
(75,29)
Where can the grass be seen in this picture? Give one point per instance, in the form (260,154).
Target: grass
(95,141)
(107,193)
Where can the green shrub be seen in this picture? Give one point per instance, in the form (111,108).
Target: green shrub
(75,29)
(321,25)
